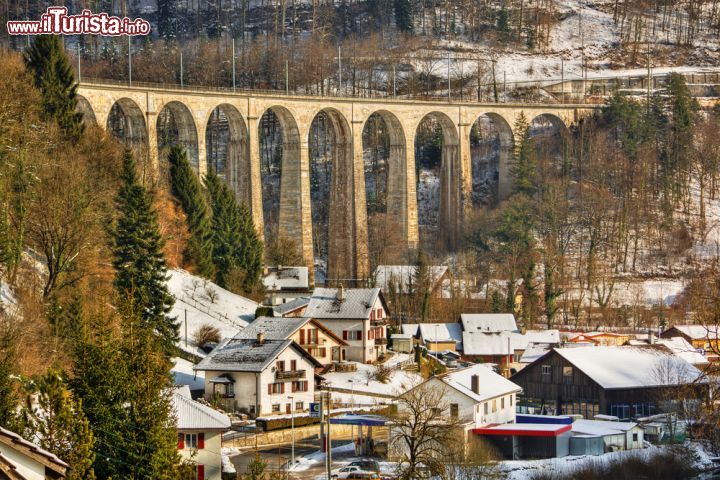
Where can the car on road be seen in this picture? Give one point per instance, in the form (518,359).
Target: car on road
(367,465)
(363,475)
(345,471)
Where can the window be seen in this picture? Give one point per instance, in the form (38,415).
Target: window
(191,440)
(547,370)
(352,334)
(299,405)
(300,386)
(486,408)
(635,437)
(280,365)
(436,411)
(502,403)
(293,365)
(494,405)
(323,352)
(454,410)
(511,400)
(567,371)
(276,408)
(275,388)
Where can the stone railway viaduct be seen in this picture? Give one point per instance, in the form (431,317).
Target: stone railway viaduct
(348,227)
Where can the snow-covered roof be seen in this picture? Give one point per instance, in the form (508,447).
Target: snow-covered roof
(505,342)
(286,278)
(401,336)
(698,332)
(631,366)
(291,306)
(184,374)
(488,322)
(410,328)
(30,449)
(192,415)
(356,303)
(403,276)
(202,302)
(441,332)
(601,428)
(683,349)
(535,351)
(491,384)
(248,355)
(274,328)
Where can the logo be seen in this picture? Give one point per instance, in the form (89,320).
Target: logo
(56,21)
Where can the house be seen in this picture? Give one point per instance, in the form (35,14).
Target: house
(401,278)
(503,348)
(200,430)
(436,337)
(260,376)
(680,347)
(703,337)
(21,459)
(599,338)
(357,315)
(284,284)
(626,382)
(318,340)
(616,435)
(488,322)
(292,308)
(402,342)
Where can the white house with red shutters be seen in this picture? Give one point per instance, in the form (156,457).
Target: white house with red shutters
(357,315)
(260,376)
(200,430)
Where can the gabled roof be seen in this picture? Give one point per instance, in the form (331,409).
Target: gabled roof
(192,415)
(286,278)
(441,332)
(488,322)
(492,385)
(246,355)
(29,449)
(505,342)
(403,276)
(601,427)
(282,328)
(697,332)
(291,306)
(630,366)
(357,303)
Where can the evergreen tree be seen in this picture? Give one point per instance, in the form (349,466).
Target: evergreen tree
(141,272)
(187,190)
(496,302)
(523,169)
(503,22)
(57,423)
(167,19)
(236,245)
(53,76)
(9,401)
(403,15)
(421,286)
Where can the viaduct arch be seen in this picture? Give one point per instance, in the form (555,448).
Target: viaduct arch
(154,117)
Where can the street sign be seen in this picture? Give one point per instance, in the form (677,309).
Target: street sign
(315,410)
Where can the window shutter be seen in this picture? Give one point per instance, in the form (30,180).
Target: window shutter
(201,472)
(269,388)
(371,334)
(282,387)
(181,441)
(302,337)
(345,334)
(201,440)
(360,335)
(323,352)
(293,365)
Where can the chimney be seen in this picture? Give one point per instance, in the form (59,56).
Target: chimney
(475,384)
(341,293)
(260,338)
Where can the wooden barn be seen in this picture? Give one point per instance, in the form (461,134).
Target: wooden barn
(626,382)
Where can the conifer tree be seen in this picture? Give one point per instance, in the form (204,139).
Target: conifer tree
(9,401)
(56,421)
(421,286)
(236,244)
(141,272)
(187,190)
(53,76)
(523,169)
(403,15)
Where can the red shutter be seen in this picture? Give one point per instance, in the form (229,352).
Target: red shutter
(282,387)
(201,440)
(269,388)
(371,334)
(345,334)
(323,352)
(302,337)
(201,472)
(181,441)
(361,335)
(293,365)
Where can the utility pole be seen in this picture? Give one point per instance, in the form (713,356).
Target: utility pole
(78,55)
(448,75)
(339,71)
(287,77)
(394,90)
(562,78)
(292,429)
(182,82)
(233,63)
(649,75)
(328,452)
(129,61)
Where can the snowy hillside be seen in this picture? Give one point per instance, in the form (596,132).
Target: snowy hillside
(201,302)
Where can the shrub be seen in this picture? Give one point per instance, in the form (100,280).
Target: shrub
(206,334)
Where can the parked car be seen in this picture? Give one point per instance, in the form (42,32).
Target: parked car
(363,475)
(345,471)
(367,465)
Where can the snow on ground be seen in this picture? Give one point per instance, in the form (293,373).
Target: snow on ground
(206,303)
(304,463)
(361,381)
(184,375)
(227,465)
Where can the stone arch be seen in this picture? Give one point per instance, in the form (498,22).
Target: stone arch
(88,114)
(226,144)
(176,126)
(332,193)
(386,172)
(551,138)
(281,179)
(127,122)
(491,144)
(446,231)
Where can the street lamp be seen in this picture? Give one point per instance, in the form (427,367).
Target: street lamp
(352,396)
(292,429)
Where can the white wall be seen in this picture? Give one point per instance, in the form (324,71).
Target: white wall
(26,466)
(209,456)
(501,414)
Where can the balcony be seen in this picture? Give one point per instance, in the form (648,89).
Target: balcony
(290,375)
(379,322)
(381,341)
